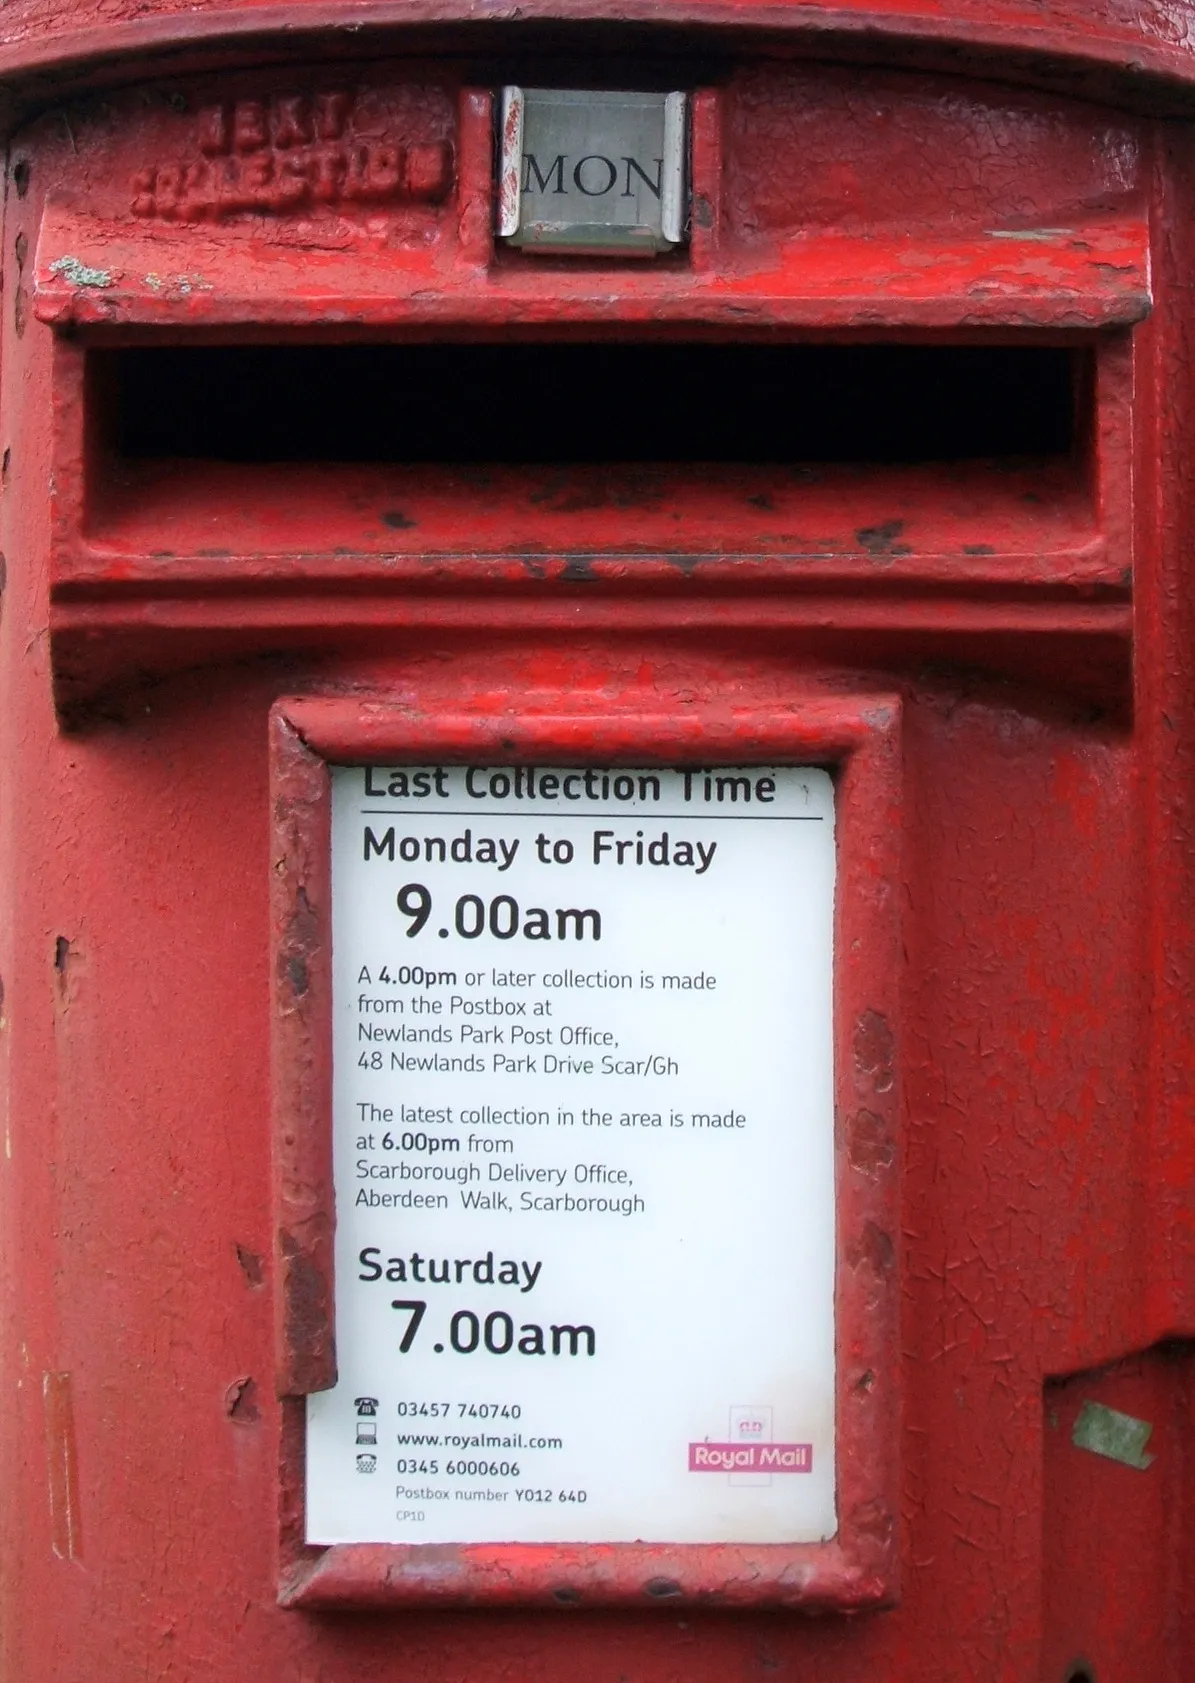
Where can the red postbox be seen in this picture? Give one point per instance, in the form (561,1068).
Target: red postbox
(597,763)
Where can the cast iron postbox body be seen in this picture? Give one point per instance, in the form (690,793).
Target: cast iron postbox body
(337,434)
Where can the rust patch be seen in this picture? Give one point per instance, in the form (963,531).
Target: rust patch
(397,520)
(661,1588)
(305,1292)
(302,936)
(20,303)
(251,1266)
(870,1147)
(874,1052)
(873,1247)
(579,570)
(65,1534)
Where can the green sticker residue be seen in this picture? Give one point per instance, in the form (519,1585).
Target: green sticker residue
(1120,1437)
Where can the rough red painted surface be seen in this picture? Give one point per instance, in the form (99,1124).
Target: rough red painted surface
(1035,626)
(1104,41)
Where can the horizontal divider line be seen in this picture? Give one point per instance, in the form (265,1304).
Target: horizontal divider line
(680,817)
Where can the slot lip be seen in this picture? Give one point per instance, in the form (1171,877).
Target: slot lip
(106,276)
(175,528)
(1085,573)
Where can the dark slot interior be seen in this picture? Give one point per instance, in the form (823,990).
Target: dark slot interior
(592,403)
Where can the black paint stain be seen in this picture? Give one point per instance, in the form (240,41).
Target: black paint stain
(880,540)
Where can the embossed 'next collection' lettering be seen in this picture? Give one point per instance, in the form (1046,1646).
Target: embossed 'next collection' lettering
(288,154)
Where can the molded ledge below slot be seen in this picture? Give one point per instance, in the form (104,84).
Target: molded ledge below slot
(1082,651)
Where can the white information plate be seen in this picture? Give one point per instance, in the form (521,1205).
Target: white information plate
(584,1158)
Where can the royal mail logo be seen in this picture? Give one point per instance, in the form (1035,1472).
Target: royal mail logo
(290,153)
(750,1457)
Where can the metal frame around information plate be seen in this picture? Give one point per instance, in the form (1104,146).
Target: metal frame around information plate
(858,739)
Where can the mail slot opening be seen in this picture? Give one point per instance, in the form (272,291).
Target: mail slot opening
(593,403)
(611,449)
